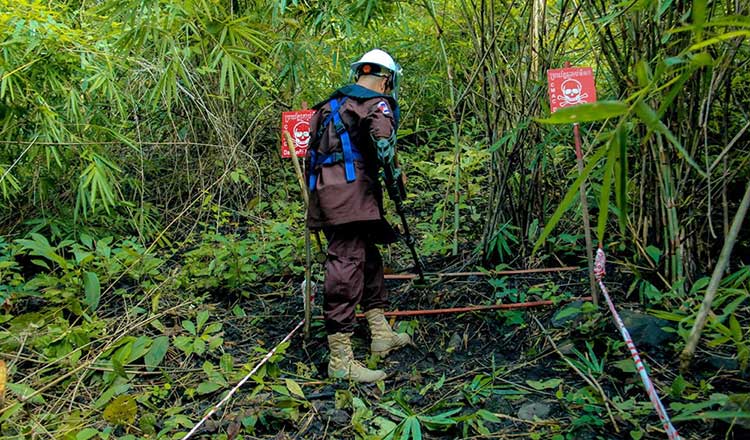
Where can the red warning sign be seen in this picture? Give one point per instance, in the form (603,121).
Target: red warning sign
(297,123)
(570,86)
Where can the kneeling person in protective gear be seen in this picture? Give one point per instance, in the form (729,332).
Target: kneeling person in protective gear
(353,134)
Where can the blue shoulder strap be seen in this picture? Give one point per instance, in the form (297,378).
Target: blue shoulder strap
(346,142)
(350,152)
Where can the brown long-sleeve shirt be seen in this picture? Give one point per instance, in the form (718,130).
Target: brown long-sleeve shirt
(334,201)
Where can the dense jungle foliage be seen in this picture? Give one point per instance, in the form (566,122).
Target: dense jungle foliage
(151,236)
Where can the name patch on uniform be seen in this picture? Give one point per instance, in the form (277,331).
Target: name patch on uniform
(384,108)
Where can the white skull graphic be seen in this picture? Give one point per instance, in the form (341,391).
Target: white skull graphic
(571,89)
(301,134)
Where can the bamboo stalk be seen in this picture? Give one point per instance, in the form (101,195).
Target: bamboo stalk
(713,286)
(672,223)
(430,6)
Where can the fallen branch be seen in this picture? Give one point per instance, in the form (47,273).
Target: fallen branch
(713,286)
(587,378)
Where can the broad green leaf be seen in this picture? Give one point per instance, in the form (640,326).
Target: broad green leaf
(736,330)
(406,427)
(117,388)
(156,352)
(199,346)
(416,429)
(544,385)
(189,326)
(201,319)
(118,367)
(490,417)
(654,253)
(86,433)
(596,111)
(383,427)
(140,348)
(226,363)
(570,310)
(10,411)
(212,328)
(207,387)
(626,365)
(23,392)
(294,388)
(121,411)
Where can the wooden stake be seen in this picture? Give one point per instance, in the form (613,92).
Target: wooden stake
(585,214)
(307,294)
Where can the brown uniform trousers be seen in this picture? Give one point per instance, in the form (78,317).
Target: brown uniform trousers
(354,275)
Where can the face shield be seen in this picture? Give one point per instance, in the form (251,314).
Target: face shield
(395,81)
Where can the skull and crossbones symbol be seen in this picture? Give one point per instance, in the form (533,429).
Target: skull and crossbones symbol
(571,89)
(301,134)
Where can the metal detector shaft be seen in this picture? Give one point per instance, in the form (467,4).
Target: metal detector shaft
(394,183)
(410,242)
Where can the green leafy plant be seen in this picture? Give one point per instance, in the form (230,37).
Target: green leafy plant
(411,422)
(201,338)
(588,362)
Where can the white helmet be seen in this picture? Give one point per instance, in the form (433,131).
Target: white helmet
(380,58)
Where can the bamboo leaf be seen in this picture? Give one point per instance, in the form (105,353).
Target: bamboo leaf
(652,121)
(719,39)
(568,199)
(156,352)
(708,415)
(699,17)
(735,329)
(406,424)
(596,111)
(416,429)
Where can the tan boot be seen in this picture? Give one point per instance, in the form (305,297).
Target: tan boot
(384,339)
(342,364)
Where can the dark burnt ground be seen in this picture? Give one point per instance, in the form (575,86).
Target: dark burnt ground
(490,374)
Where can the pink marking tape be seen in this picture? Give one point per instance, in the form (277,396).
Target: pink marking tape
(599,271)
